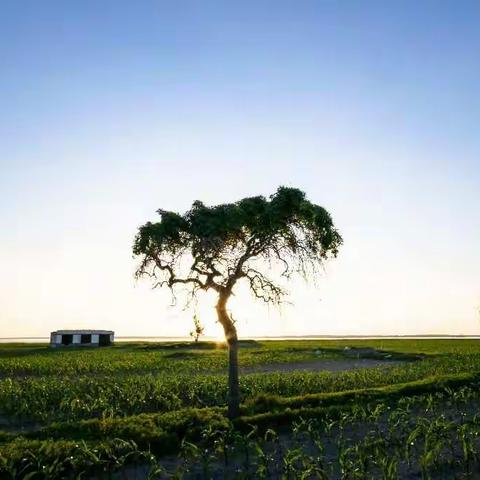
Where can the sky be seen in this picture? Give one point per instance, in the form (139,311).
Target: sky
(110,110)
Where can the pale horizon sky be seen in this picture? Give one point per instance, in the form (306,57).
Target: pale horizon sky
(113,109)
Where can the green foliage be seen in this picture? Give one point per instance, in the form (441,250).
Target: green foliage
(198,328)
(144,429)
(430,435)
(269,403)
(113,414)
(209,229)
(225,243)
(25,459)
(46,385)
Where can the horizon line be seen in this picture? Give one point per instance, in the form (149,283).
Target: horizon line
(274,337)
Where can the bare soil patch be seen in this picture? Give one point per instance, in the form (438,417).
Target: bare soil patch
(322,365)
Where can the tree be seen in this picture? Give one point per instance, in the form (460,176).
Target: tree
(215,248)
(198,328)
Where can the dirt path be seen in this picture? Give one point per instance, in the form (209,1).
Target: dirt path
(333,365)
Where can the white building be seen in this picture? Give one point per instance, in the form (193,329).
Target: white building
(81,338)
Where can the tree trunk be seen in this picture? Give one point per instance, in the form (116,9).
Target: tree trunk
(232,342)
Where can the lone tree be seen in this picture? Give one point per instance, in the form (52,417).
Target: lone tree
(255,240)
(198,328)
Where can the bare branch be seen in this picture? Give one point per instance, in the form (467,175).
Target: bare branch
(264,288)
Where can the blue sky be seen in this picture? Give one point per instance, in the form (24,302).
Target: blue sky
(111,110)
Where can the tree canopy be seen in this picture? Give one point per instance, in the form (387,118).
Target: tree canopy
(214,247)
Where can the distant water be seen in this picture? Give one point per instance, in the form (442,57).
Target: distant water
(213,339)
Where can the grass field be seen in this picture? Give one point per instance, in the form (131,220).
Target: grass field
(157,410)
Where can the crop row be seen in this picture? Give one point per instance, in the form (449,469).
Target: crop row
(50,398)
(426,436)
(39,361)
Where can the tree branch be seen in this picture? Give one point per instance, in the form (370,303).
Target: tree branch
(264,288)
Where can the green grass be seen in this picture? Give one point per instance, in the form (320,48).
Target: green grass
(161,429)
(28,359)
(172,358)
(159,395)
(42,384)
(95,445)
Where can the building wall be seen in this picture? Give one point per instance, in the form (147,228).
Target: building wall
(56,340)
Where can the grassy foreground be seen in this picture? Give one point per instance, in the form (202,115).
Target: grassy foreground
(64,412)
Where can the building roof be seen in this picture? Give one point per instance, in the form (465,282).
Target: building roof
(83,332)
